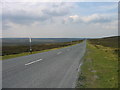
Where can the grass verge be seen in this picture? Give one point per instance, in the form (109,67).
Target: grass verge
(99,69)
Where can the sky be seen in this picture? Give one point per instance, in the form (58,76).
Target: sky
(59,19)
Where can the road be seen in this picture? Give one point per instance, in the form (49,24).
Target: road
(52,69)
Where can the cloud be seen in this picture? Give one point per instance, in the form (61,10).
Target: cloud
(62,0)
(25,13)
(24,19)
(58,9)
(57,30)
(45,20)
(94,18)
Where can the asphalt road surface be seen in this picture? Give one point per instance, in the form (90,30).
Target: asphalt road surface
(52,69)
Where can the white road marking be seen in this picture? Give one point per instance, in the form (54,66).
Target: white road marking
(79,67)
(59,53)
(33,62)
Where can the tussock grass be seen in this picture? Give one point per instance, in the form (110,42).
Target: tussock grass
(100,67)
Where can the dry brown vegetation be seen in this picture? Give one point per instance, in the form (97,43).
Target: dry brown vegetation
(9,50)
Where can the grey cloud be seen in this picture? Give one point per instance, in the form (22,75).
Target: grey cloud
(95,18)
(102,20)
(23,18)
(28,15)
(55,12)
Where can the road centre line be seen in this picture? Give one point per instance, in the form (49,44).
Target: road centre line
(59,52)
(33,62)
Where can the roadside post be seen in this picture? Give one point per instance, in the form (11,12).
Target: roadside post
(30,41)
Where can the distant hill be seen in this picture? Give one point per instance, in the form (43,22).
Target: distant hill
(107,41)
(25,41)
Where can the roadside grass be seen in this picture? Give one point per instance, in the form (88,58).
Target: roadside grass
(28,53)
(107,42)
(99,69)
(24,54)
(17,48)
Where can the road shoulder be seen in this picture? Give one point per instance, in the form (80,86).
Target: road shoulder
(99,69)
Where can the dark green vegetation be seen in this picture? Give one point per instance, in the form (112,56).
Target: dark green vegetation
(107,42)
(100,65)
(23,49)
(111,42)
(8,50)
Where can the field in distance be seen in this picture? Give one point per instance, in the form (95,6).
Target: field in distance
(14,46)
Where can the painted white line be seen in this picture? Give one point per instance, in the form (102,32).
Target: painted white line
(33,62)
(59,53)
(79,67)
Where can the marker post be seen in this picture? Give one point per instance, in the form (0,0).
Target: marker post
(30,45)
